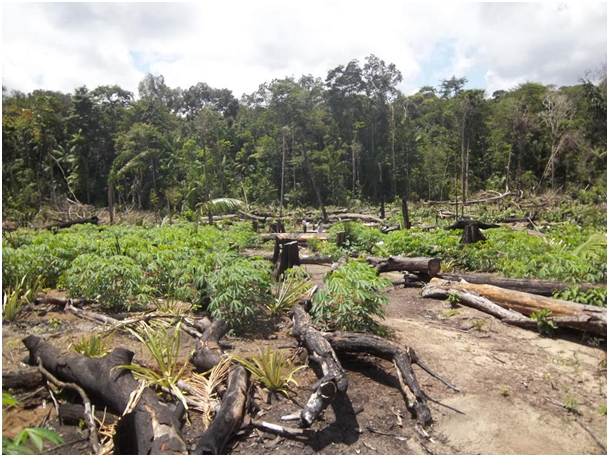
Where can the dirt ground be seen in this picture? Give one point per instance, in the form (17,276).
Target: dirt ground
(513,385)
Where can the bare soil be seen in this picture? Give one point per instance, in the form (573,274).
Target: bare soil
(513,385)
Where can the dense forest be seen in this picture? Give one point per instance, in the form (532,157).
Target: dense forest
(301,141)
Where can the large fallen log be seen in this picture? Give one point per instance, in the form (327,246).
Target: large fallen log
(532,286)
(356,217)
(399,263)
(60,225)
(152,426)
(229,418)
(334,379)
(564,313)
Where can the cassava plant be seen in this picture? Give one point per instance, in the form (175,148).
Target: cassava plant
(351,299)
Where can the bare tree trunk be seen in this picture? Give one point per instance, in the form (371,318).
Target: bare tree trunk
(111,202)
(394,171)
(313,181)
(283,132)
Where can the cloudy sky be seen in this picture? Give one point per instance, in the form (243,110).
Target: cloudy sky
(239,45)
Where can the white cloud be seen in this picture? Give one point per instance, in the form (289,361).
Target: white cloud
(240,45)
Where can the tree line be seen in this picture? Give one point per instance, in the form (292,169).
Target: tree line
(298,141)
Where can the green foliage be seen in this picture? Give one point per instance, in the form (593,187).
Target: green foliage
(504,391)
(294,285)
(8,400)
(272,369)
(163,345)
(571,404)
(595,297)
(14,298)
(239,291)
(358,237)
(603,410)
(545,325)
(35,436)
(95,346)
(351,299)
(313,244)
(454,299)
(451,313)
(117,281)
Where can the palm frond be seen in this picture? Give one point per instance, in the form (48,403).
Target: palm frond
(593,247)
(220,206)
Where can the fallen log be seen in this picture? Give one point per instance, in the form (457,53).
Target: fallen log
(72,414)
(399,263)
(60,225)
(229,418)
(403,358)
(300,237)
(152,427)
(357,217)
(26,379)
(532,286)
(568,314)
(334,379)
(208,352)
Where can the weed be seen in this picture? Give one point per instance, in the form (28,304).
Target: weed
(571,404)
(93,347)
(54,323)
(270,368)
(546,377)
(453,298)
(478,325)
(504,391)
(545,325)
(451,313)
(204,388)
(603,410)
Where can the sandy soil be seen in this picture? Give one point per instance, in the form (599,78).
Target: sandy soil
(512,381)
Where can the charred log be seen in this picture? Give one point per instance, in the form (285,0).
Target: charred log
(208,352)
(399,263)
(229,418)
(334,379)
(60,225)
(152,426)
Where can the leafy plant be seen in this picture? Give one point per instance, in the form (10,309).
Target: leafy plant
(351,298)
(293,286)
(479,325)
(93,347)
(595,297)
(603,410)
(454,299)
(271,368)
(504,391)
(118,281)
(239,290)
(14,298)
(164,346)
(545,325)
(34,435)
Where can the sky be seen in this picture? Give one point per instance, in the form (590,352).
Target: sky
(239,45)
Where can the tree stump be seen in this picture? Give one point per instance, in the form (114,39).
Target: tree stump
(471,230)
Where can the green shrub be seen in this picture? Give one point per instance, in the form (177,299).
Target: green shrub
(239,291)
(294,285)
(595,297)
(117,281)
(358,237)
(545,325)
(351,299)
